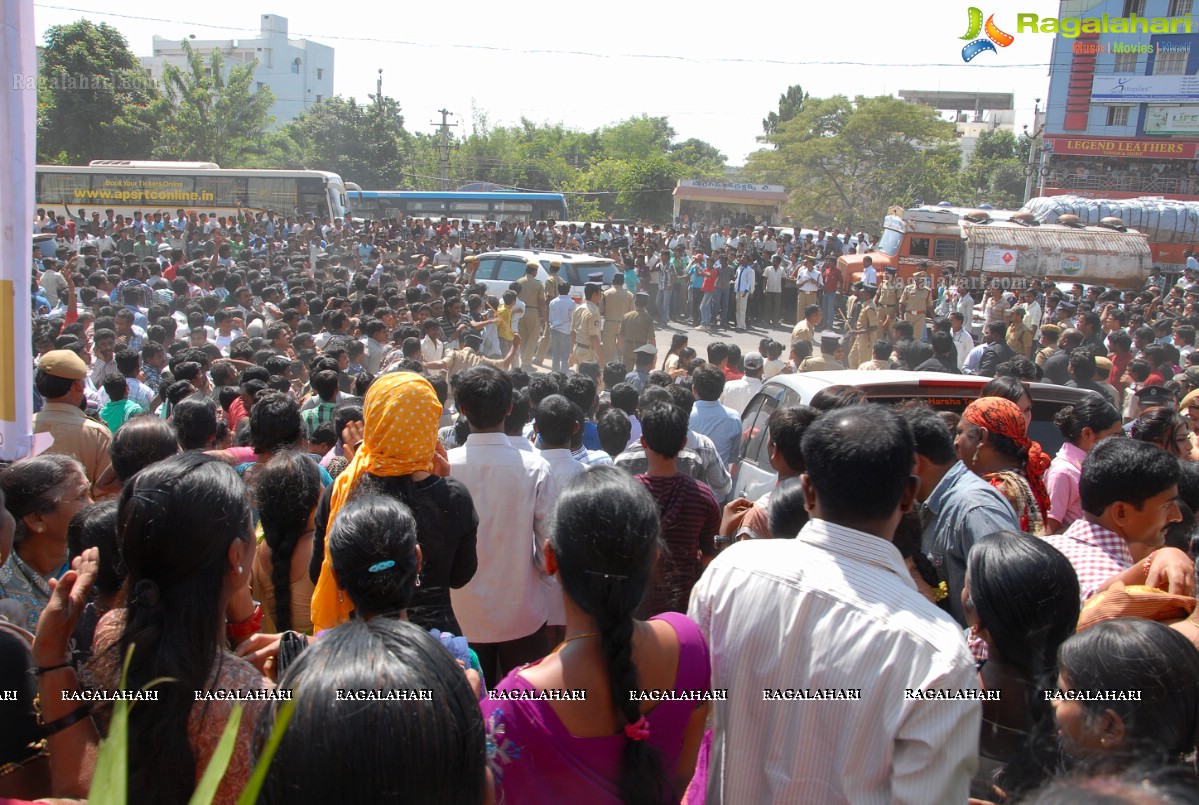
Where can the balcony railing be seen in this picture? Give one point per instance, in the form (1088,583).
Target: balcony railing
(1135,184)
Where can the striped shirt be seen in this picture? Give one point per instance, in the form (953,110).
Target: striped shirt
(833,609)
(690,520)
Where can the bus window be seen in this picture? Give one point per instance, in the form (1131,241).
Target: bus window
(918,247)
(272,194)
(889,243)
(225,190)
(63,188)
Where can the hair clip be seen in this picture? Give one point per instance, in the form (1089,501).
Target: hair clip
(606,576)
(381,566)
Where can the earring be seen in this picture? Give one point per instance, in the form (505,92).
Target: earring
(974,458)
(240,569)
(418,581)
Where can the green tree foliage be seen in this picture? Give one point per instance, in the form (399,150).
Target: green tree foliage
(215,116)
(790,104)
(995,174)
(845,161)
(365,144)
(94,100)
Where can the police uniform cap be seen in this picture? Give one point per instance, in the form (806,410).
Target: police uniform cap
(63,363)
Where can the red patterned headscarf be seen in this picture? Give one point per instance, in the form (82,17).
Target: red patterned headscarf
(1002,416)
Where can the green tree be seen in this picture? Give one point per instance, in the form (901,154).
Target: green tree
(366,144)
(697,158)
(94,100)
(636,138)
(995,174)
(845,161)
(790,104)
(215,117)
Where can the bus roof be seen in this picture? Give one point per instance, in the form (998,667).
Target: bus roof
(457,194)
(158,169)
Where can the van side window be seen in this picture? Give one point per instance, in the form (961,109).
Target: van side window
(918,247)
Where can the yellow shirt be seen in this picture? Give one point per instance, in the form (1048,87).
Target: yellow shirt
(503,322)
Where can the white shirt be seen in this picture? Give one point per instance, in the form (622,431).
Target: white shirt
(834,608)
(746,279)
(431,350)
(870,276)
(807,279)
(774,278)
(1033,316)
(561,312)
(964,342)
(738,393)
(514,494)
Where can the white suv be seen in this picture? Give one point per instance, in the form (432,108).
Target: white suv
(499,269)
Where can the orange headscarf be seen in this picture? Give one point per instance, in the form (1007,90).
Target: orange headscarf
(399,437)
(1002,416)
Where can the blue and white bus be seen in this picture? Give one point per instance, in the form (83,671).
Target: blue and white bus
(498,206)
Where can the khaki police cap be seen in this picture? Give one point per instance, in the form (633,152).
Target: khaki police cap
(63,363)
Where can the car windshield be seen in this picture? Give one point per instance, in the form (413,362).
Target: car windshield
(889,243)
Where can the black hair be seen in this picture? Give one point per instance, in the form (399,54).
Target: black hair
(1008,387)
(864,447)
(195,421)
(1082,364)
(1157,425)
(286,489)
(625,397)
(1092,411)
(580,390)
(521,413)
(128,362)
(787,426)
(139,443)
(370,531)
(1025,593)
(717,351)
(1125,470)
(934,439)
(275,423)
(52,387)
(1149,657)
(708,381)
(681,395)
(664,429)
(788,512)
(556,419)
(443,756)
(95,526)
(35,486)
(839,396)
(324,383)
(614,373)
(1149,780)
(176,522)
(114,386)
(606,536)
(484,395)
(615,429)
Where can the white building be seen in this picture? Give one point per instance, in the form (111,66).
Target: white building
(298,71)
(992,111)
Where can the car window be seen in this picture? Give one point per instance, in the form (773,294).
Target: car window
(510,269)
(578,273)
(487,267)
(754,431)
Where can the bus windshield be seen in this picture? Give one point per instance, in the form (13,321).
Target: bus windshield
(888,244)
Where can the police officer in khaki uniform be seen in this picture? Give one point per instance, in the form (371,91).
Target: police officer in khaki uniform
(826,361)
(616,302)
(915,302)
(585,326)
(637,328)
(532,293)
(888,297)
(807,286)
(866,330)
(552,283)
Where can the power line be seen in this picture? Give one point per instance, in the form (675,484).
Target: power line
(544,51)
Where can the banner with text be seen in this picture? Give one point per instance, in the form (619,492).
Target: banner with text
(1172,120)
(1116,147)
(1122,88)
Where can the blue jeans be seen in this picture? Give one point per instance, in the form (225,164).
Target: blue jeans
(722,304)
(705,309)
(559,351)
(828,304)
(665,292)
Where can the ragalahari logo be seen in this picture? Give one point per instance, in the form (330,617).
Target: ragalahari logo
(994,36)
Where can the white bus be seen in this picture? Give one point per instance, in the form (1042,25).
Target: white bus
(126,186)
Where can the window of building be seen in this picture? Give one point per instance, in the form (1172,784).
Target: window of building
(318,98)
(1134,7)
(1180,8)
(1117,115)
(261,86)
(295,65)
(1170,63)
(320,73)
(1125,63)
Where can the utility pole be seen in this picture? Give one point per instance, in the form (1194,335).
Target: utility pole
(1031,169)
(379,90)
(443,149)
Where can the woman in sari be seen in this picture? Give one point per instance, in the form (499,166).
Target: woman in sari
(993,442)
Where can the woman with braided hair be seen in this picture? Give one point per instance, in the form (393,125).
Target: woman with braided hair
(993,442)
(629,740)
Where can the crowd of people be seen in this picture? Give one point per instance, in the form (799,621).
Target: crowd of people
(299,474)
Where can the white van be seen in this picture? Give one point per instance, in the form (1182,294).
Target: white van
(499,269)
